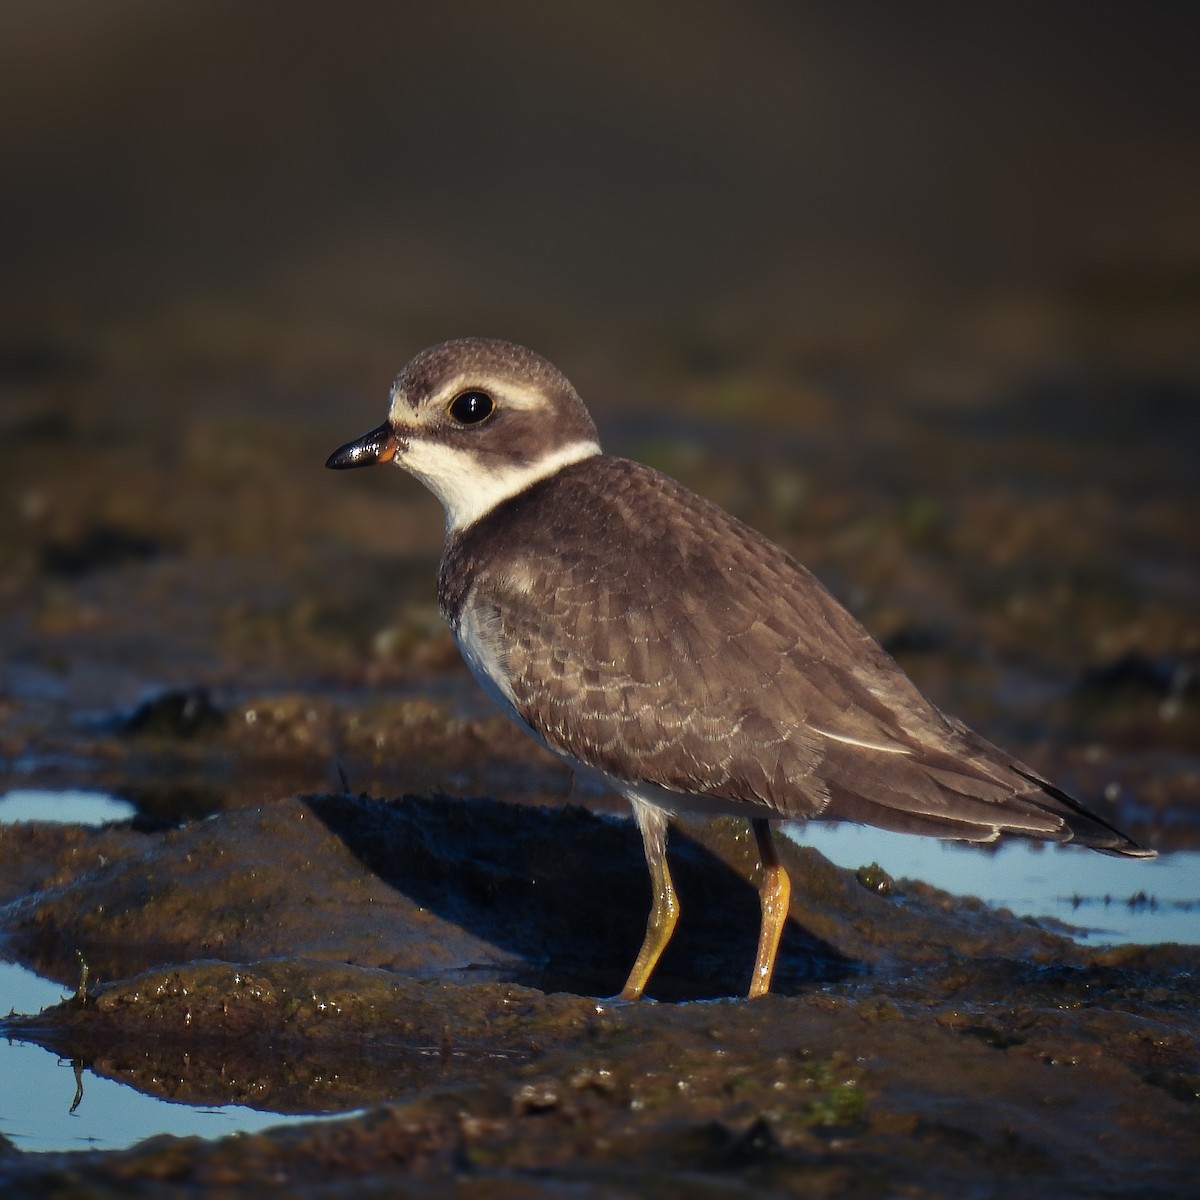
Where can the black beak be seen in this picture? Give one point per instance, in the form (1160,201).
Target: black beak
(378,446)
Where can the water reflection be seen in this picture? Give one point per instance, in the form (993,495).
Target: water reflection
(51,1104)
(66,807)
(1107,900)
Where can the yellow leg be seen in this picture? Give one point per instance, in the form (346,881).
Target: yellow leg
(774,894)
(664,911)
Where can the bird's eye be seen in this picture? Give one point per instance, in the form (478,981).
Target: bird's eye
(470,408)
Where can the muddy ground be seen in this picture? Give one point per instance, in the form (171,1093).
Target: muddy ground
(200,619)
(435,962)
(918,298)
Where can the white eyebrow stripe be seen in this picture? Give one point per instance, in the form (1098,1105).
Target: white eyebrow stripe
(853,741)
(510,393)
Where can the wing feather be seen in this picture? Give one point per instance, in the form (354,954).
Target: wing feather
(650,635)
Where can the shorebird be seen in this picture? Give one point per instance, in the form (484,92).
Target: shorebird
(649,638)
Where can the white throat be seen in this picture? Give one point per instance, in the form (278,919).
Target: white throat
(467,490)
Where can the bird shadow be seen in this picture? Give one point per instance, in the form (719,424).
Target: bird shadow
(564,894)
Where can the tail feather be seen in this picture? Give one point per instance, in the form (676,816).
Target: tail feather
(1087,827)
(967,790)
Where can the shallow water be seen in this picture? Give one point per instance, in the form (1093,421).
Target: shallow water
(1102,899)
(67,807)
(50,1104)
(46,1102)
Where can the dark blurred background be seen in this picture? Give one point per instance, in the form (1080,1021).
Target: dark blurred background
(811,175)
(915,288)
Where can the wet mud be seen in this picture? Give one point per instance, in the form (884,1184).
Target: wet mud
(252,657)
(436,962)
(352,888)
(917,298)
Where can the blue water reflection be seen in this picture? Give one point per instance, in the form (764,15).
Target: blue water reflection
(64,807)
(47,1104)
(1109,899)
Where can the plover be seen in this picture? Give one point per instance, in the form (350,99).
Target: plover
(651,639)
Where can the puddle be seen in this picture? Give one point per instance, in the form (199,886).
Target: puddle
(1105,900)
(68,807)
(22,991)
(49,1104)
